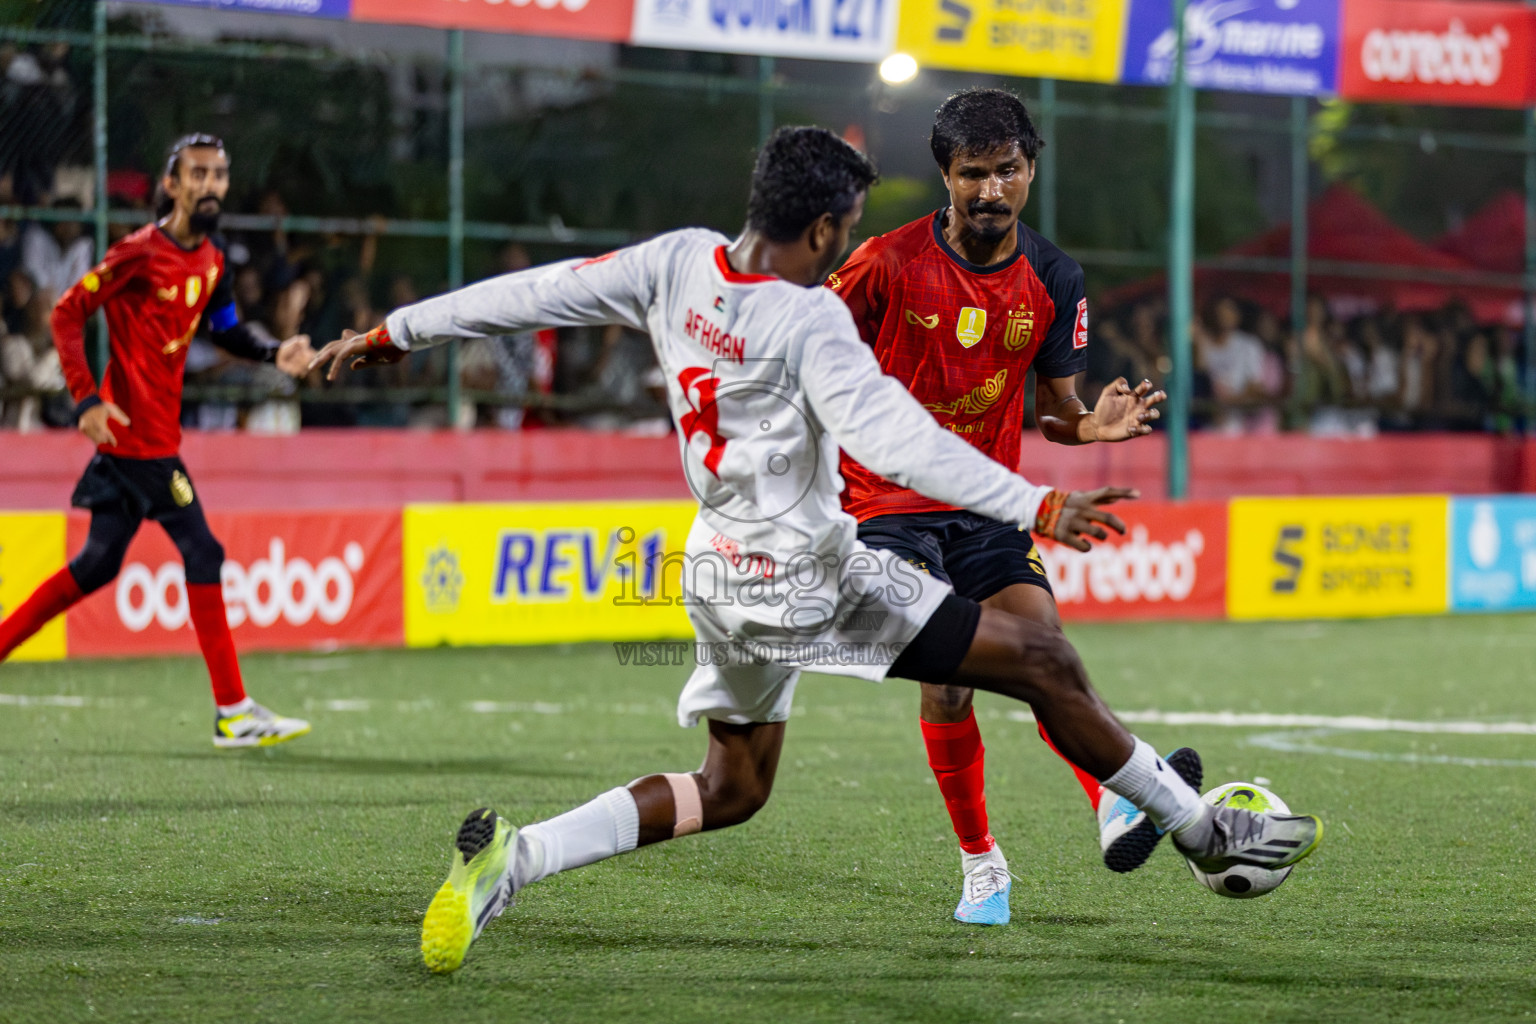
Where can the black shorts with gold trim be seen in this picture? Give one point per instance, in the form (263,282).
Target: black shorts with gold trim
(976,555)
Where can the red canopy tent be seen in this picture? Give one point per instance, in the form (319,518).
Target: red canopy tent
(1395,269)
(1492,238)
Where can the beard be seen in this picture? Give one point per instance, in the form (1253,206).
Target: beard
(992,231)
(205,217)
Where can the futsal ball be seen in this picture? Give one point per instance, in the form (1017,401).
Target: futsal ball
(1243,882)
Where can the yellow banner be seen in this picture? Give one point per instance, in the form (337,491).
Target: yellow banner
(1302,558)
(1072,39)
(31,550)
(544,573)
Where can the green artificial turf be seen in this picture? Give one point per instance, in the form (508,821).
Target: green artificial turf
(145,875)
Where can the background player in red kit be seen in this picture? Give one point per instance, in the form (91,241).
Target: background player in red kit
(959,306)
(156,285)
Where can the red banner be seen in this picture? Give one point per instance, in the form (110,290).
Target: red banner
(1470,54)
(292,581)
(1171,564)
(570,19)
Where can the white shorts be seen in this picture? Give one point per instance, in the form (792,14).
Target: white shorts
(851,618)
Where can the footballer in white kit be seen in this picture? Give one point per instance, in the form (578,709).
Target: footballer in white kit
(766,378)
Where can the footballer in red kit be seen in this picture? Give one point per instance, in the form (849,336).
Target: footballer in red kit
(156,287)
(960,306)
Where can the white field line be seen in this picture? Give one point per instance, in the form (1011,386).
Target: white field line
(1301,743)
(1343,723)
(57,700)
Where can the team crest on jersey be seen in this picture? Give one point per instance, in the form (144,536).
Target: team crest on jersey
(194,290)
(181,489)
(971,325)
(1021,329)
(212,275)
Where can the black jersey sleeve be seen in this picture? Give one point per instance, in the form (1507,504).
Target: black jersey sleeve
(1064,351)
(223,319)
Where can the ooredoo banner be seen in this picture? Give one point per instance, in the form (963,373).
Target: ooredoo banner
(1171,564)
(291,580)
(859,30)
(1273,46)
(1471,54)
(567,19)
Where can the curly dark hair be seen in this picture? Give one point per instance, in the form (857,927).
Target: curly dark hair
(979,121)
(802,173)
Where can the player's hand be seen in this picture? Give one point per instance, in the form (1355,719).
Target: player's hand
(1081,517)
(293,355)
(95,423)
(1124,412)
(353,350)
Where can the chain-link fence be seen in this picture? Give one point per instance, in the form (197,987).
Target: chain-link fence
(373,165)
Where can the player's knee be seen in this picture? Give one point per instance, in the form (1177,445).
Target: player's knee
(204,558)
(731,799)
(97,564)
(1047,660)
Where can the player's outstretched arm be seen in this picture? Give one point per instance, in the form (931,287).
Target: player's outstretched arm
(879,423)
(613,289)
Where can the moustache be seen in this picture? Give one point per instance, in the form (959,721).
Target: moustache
(980,209)
(215,200)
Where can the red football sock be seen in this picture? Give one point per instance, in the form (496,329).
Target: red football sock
(207,603)
(957,758)
(48,601)
(1090,784)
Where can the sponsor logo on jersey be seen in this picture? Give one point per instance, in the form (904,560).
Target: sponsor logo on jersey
(1020,331)
(971,325)
(834,282)
(91,282)
(929,322)
(975,401)
(194,290)
(1080,336)
(169,294)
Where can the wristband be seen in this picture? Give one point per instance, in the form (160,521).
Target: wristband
(1049,515)
(378,338)
(86,404)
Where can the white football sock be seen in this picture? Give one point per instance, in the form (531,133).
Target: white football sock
(238,708)
(1147,781)
(968,861)
(601,828)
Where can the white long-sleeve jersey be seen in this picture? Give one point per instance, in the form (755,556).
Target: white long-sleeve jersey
(765,379)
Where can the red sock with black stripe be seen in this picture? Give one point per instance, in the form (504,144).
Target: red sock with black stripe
(1090,785)
(51,599)
(206,601)
(958,761)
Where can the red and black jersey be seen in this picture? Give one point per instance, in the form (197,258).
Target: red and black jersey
(961,337)
(154,292)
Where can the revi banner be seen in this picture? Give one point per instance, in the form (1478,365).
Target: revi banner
(302,8)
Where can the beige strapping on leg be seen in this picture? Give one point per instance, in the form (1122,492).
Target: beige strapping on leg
(687,805)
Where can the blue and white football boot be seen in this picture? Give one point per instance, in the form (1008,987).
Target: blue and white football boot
(1126,835)
(987,884)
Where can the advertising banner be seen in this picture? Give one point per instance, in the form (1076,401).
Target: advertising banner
(567,19)
(861,30)
(1302,558)
(1274,46)
(544,573)
(300,580)
(31,550)
(1472,54)
(306,8)
(1493,553)
(1076,39)
(1171,564)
